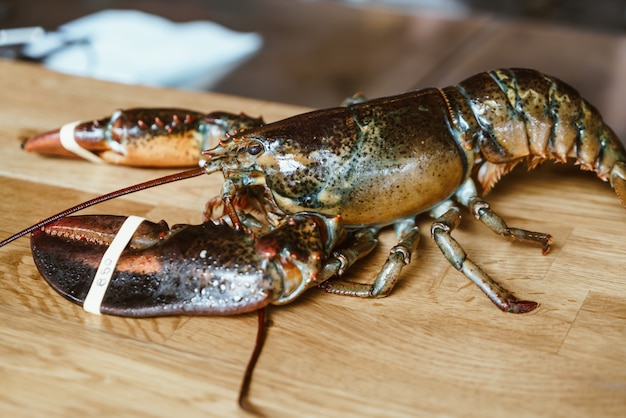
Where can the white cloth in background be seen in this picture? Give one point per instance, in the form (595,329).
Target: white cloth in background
(134,47)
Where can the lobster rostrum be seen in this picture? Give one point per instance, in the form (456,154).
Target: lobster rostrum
(384,161)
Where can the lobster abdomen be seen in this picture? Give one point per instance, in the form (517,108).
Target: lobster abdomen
(518,115)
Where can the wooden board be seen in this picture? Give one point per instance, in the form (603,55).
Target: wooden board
(435,347)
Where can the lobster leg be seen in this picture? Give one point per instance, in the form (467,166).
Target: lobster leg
(468,197)
(493,221)
(400,255)
(358,244)
(454,253)
(342,259)
(255,200)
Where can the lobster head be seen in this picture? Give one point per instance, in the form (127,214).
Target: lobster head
(293,157)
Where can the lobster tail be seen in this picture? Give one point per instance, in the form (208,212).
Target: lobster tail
(618,181)
(519,115)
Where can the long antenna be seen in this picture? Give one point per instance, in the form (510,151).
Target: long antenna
(127,190)
(256,352)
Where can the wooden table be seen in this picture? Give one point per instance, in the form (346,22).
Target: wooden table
(435,347)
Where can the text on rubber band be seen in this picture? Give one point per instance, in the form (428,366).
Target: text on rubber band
(105,271)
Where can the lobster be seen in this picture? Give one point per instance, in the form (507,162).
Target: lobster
(384,161)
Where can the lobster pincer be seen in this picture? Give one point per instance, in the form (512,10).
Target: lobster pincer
(144,137)
(206,269)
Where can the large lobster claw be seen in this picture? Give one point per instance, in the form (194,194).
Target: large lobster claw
(207,269)
(142,137)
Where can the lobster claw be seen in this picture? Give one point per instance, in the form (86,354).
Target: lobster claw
(143,137)
(206,269)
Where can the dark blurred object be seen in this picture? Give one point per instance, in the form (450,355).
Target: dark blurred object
(318,52)
(603,15)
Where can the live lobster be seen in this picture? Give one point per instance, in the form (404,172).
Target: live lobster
(384,161)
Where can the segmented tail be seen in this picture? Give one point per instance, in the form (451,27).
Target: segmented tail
(516,115)
(618,181)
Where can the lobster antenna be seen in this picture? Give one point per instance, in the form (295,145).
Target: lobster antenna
(256,352)
(121,192)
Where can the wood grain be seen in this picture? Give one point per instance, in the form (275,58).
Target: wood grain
(435,347)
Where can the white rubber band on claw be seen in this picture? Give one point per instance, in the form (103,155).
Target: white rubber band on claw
(66,135)
(105,271)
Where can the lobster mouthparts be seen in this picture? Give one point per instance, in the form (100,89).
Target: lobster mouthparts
(189,269)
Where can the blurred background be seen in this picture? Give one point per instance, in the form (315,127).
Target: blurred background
(317,52)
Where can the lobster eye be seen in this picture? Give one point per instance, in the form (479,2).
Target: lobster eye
(255,148)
